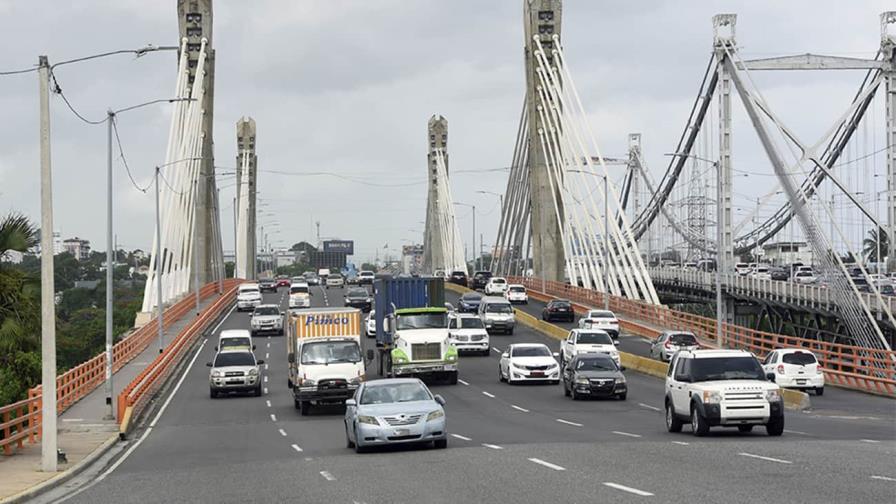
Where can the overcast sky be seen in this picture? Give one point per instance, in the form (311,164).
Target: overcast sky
(347,87)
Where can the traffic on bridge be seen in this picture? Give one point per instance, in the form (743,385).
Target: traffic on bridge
(573,327)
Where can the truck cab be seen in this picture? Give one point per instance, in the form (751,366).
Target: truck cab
(422,345)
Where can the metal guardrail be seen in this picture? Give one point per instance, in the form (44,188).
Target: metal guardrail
(21,421)
(848,366)
(807,295)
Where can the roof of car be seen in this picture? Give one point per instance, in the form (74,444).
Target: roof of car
(579,330)
(722,352)
(268,305)
(392,381)
(233,333)
(494,299)
(793,350)
(248,286)
(516,285)
(560,300)
(673,331)
(524,345)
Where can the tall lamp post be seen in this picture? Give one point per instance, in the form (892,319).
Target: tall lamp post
(474,229)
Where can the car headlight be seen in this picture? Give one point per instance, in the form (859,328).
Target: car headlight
(253,372)
(773,395)
(620,380)
(357,380)
(254,323)
(434,415)
(366,419)
(368,300)
(217,374)
(582,381)
(711,397)
(307,382)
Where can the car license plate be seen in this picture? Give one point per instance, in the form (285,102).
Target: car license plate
(401,432)
(801,382)
(537,373)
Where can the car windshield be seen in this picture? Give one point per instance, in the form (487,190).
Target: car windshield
(328,352)
(560,304)
(517,289)
(683,339)
(498,308)
(531,351)
(225,359)
(471,323)
(594,338)
(498,281)
(436,320)
(295,289)
(726,368)
(234,341)
(472,296)
(601,314)
(799,358)
(267,310)
(244,290)
(393,393)
(595,364)
(357,293)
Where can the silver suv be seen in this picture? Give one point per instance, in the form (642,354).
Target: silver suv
(234,371)
(268,319)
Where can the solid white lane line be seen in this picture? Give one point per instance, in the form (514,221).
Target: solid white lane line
(567,422)
(487,394)
(514,406)
(760,457)
(547,464)
(624,488)
(462,382)
(682,443)
(801,433)
(869,441)
(268,403)
(273,417)
(654,408)
(493,446)
(282,432)
(297,448)
(465,438)
(884,478)
(327,476)
(629,434)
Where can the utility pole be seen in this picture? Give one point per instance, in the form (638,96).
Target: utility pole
(195,254)
(110,261)
(159,259)
(474,233)
(606,243)
(47,284)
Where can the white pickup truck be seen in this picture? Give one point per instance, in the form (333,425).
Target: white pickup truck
(726,388)
(580,341)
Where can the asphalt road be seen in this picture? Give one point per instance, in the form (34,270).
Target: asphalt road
(508,444)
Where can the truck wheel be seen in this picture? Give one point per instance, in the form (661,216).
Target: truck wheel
(348,440)
(699,427)
(775,426)
(306,408)
(673,424)
(452,378)
(566,389)
(510,331)
(257,391)
(288,383)
(819,391)
(500,375)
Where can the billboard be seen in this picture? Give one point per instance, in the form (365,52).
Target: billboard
(346,247)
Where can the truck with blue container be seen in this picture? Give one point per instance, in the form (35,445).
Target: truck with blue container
(412,329)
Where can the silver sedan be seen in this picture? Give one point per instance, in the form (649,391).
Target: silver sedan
(394,411)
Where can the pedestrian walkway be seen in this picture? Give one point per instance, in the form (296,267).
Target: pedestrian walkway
(84,427)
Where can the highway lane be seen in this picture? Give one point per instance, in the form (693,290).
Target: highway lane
(507,444)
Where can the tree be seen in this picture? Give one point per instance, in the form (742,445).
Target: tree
(369,266)
(870,245)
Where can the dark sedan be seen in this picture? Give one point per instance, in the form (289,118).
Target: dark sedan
(267,285)
(458,277)
(480,279)
(469,302)
(558,309)
(593,375)
(358,297)
(780,274)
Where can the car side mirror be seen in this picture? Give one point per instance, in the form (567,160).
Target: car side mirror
(505,355)
(370,355)
(259,362)
(439,399)
(616,342)
(291,358)
(556,354)
(282,313)
(253,347)
(770,377)
(622,368)
(350,402)
(216,348)
(208,364)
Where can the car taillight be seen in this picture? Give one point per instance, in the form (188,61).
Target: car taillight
(780,368)
(668,344)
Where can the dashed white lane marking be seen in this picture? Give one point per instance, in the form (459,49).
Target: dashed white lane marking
(265,390)
(268,403)
(495,349)
(629,434)
(269,345)
(760,457)
(462,382)
(273,417)
(493,446)
(682,443)
(297,448)
(282,432)
(327,476)
(624,488)
(488,395)
(514,406)
(869,441)
(72,419)
(265,378)
(547,464)
(266,366)
(267,355)
(801,433)
(567,422)
(465,438)
(654,408)
(884,478)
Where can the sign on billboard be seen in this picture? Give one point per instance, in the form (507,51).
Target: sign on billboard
(344,246)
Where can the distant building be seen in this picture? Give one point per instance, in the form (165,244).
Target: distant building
(77,247)
(58,247)
(285,257)
(787,252)
(411,258)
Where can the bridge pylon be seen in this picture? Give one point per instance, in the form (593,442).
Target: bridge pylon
(245,208)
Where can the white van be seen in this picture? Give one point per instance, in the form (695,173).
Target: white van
(323,273)
(235,339)
(497,314)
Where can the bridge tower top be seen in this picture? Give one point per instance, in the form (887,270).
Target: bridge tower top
(724,29)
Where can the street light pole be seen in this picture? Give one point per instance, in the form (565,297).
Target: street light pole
(606,244)
(159,319)
(47,285)
(110,415)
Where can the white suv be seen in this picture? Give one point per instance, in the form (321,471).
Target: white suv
(248,296)
(727,388)
(335,280)
(496,286)
(795,368)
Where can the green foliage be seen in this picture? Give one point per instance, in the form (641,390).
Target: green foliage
(229,267)
(369,266)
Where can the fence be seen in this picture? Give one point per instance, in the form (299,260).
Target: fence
(21,421)
(844,365)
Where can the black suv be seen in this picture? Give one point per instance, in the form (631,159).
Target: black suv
(458,277)
(480,278)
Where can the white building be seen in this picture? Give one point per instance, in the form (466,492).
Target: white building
(786,252)
(77,247)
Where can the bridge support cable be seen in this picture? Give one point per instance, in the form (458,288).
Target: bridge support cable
(512,225)
(179,191)
(857,316)
(451,238)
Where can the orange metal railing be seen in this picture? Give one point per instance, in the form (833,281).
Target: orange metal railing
(22,420)
(844,365)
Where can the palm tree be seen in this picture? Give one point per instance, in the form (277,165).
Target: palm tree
(19,293)
(870,245)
